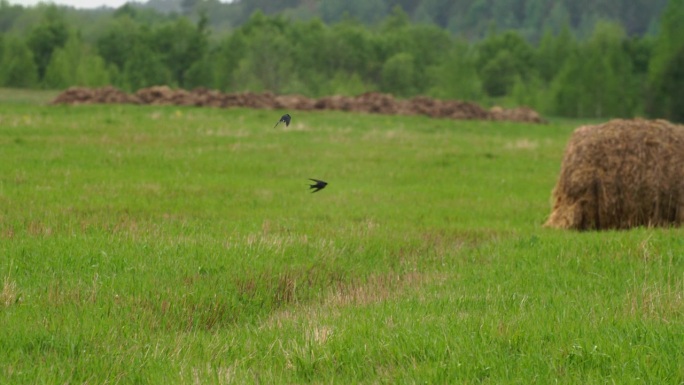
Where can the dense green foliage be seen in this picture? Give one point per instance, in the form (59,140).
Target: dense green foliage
(666,70)
(601,71)
(467,18)
(147,244)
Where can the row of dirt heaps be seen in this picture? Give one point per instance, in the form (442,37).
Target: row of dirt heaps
(619,175)
(370,102)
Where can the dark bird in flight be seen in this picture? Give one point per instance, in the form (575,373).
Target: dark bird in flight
(284,119)
(319,185)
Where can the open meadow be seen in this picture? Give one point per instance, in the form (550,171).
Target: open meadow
(180,245)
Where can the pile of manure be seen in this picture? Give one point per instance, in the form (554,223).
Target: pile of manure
(369,102)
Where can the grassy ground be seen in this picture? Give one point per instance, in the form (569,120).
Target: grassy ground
(24,96)
(181,245)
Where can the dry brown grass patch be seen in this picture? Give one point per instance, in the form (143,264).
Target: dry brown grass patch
(374,289)
(656,302)
(10,292)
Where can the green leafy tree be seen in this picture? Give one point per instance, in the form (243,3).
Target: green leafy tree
(536,13)
(508,15)
(73,65)
(93,72)
(61,71)
(201,74)
(455,77)
(17,66)
(265,60)
(673,87)
(428,46)
(267,64)
(9,15)
(396,20)
(399,75)
(144,68)
(367,11)
(477,19)
(501,59)
(145,15)
(354,49)
(309,52)
(559,17)
(345,84)
(180,44)
(115,43)
(227,59)
(532,93)
(566,90)
(266,6)
(499,74)
(553,51)
(661,101)
(434,11)
(50,34)
(598,81)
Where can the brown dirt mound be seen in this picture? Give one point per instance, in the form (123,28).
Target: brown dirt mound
(369,102)
(163,95)
(621,174)
(104,95)
(208,98)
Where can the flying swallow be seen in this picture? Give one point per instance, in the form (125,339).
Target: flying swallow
(319,185)
(285,118)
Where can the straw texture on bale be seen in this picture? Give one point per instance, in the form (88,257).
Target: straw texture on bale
(619,175)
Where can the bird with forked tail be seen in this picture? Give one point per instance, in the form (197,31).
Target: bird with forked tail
(319,185)
(284,119)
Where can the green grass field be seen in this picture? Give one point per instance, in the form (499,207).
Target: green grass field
(167,245)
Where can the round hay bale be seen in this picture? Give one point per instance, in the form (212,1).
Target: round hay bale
(621,174)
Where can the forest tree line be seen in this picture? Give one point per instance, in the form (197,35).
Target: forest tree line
(469,19)
(608,73)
